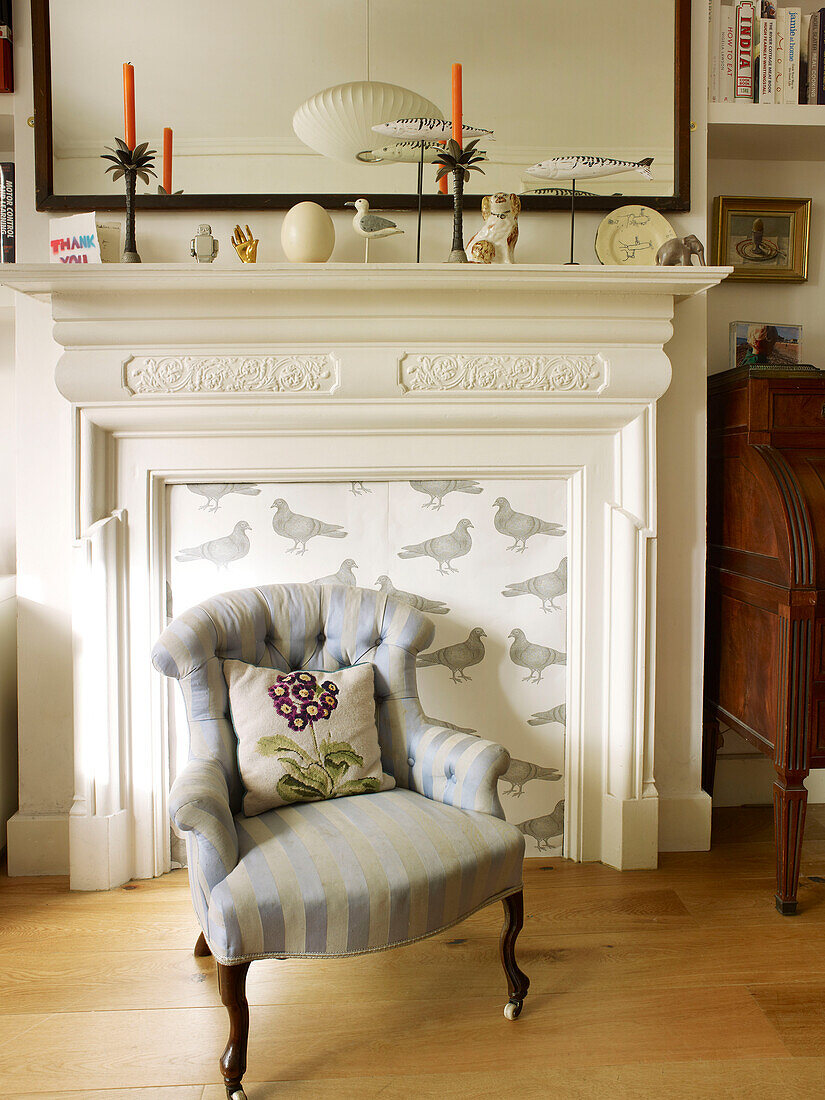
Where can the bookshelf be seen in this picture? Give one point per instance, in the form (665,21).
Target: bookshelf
(771,131)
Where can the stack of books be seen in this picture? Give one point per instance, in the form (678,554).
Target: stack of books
(761,53)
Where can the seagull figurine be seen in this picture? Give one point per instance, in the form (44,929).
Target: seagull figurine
(370,226)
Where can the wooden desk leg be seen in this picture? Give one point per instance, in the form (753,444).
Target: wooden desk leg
(790,799)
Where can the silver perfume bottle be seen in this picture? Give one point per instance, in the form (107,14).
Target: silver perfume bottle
(203,245)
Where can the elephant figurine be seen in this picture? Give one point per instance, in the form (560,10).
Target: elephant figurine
(679,251)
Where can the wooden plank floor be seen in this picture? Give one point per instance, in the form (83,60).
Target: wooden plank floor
(681,982)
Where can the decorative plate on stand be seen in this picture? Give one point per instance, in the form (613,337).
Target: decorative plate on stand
(630,236)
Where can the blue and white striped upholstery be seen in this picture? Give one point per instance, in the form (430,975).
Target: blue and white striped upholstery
(354,874)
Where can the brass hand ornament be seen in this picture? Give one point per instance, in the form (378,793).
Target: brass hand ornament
(245,246)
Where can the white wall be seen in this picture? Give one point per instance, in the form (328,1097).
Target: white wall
(39,833)
(7,448)
(8,703)
(788,303)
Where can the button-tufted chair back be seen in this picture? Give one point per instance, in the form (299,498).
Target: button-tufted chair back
(294,626)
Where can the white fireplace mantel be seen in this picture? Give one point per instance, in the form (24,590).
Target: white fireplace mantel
(339,372)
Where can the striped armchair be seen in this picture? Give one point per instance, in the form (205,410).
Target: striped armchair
(349,875)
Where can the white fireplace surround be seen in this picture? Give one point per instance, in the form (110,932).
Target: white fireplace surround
(356,372)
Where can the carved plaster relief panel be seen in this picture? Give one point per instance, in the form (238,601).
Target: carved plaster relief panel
(556,374)
(176,374)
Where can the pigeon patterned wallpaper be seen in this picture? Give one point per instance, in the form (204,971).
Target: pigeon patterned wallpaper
(487,560)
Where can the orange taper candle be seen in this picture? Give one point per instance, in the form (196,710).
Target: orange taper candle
(457,119)
(167,160)
(458,122)
(129,104)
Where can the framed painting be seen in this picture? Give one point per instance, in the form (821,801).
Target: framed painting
(762,238)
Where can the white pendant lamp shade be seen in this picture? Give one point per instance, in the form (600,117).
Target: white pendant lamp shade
(338,121)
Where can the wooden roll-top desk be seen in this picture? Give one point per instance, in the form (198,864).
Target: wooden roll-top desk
(764,652)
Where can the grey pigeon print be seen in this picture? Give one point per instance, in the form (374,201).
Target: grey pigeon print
(543,717)
(521,772)
(220,552)
(535,658)
(420,603)
(215,492)
(546,829)
(456,658)
(345,575)
(300,529)
(449,725)
(443,548)
(547,587)
(403,540)
(437,490)
(520,527)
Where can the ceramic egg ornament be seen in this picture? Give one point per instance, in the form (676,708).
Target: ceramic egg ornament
(307,234)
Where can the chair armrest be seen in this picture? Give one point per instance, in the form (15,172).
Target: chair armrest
(199,803)
(457,769)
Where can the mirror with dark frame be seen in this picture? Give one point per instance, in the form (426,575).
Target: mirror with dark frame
(549,77)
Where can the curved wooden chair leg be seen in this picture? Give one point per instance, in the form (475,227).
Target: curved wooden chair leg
(232,985)
(517,981)
(201,948)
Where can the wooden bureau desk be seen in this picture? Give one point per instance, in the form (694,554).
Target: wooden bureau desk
(764,655)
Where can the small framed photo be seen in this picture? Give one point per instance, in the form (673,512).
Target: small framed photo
(761,238)
(761,344)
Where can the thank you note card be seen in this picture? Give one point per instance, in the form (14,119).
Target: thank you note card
(81,239)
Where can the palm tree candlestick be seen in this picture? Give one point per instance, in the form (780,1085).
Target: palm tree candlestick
(461,162)
(130,163)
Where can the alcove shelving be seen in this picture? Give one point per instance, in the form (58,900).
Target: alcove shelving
(770,131)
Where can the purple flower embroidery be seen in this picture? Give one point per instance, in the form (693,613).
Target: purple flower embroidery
(285,708)
(299,700)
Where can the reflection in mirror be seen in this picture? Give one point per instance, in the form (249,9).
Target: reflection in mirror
(549,77)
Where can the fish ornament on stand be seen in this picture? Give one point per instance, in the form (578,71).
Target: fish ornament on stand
(585,167)
(401,152)
(423,135)
(428,129)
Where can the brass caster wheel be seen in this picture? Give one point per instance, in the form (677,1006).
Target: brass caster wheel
(236,1094)
(512,1010)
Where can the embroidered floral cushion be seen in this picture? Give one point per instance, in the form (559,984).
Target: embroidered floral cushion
(304,735)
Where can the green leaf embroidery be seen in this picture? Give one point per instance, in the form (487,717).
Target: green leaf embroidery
(336,771)
(359,786)
(312,776)
(344,756)
(326,747)
(290,790)
(269,746)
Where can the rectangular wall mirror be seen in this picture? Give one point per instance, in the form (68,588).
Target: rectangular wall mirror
(550,77)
